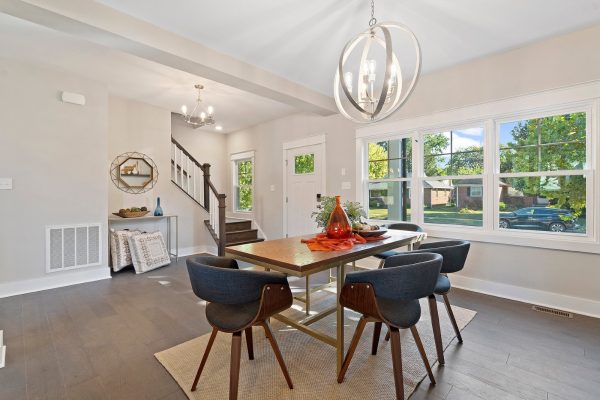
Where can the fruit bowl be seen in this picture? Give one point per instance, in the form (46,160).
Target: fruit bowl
(131,214)
(370,233)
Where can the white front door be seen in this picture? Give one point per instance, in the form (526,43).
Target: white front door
(304,183)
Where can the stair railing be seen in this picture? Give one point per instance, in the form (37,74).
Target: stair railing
(193,179)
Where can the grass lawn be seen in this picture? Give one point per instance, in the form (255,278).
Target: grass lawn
(450,215)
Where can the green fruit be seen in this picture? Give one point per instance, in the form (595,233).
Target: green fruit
(144,209)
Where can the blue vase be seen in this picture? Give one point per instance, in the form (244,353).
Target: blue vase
(158,212)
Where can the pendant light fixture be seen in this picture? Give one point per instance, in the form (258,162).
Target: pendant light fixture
(198,117)
(377,84)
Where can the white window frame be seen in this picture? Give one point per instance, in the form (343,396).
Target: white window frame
(368,180)
(235,159)
(422,133)
(579,98)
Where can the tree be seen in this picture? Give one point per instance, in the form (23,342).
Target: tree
(378,157)
(549,144)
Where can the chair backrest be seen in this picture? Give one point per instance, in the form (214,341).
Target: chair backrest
(405,226)
(218,280)
(405,276)
(455,253)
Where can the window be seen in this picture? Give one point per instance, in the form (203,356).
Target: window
(304,164)
(243,180)
(389,176)
(542,162)
(453,186)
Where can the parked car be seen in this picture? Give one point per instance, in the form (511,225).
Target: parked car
(550,219)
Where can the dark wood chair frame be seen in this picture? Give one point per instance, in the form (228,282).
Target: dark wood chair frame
(361,297)
(274,299)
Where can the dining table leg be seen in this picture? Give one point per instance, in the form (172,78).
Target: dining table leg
(340,316)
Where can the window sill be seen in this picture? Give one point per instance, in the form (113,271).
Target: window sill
(543,240)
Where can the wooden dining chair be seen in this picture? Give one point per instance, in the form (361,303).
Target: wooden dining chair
(391,296)
(237,301)
(454,253)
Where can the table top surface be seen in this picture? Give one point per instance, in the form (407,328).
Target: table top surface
(113,217)
(292,254)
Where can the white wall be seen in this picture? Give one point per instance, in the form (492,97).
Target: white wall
(267,140)
(558,278)
(56,153)
(136,126)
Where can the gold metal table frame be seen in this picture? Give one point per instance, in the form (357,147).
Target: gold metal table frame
(291,257)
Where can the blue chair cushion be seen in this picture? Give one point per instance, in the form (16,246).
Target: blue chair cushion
(442,286)
(386,254)
(402,314)
(231,317)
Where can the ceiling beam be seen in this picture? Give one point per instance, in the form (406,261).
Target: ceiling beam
(103,25)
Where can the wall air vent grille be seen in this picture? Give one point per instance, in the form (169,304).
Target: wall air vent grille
(73,246)
(553,311)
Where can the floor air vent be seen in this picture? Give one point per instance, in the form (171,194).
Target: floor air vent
(72,246)
(553,311)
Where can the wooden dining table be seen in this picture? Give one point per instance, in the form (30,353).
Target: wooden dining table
(292,257)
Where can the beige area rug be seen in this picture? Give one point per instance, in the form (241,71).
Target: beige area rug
(311,363)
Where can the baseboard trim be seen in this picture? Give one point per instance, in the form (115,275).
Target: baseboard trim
(577,305)
(54,280)
(189,251)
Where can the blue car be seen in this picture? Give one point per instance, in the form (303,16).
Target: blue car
(550,219)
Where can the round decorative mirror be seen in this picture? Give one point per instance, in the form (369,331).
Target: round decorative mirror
(134,172)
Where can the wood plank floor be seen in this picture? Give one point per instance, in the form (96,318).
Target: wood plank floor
(97,340)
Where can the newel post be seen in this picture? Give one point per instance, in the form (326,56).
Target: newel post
(206,172)
(222,226)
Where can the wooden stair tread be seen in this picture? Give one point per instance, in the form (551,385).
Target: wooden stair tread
(245,242)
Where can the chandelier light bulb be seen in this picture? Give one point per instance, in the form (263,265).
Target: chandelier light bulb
(184,110)
(202,115)
(348,80)
(210,110)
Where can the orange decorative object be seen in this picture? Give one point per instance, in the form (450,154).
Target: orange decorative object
(322,243)
(339,226)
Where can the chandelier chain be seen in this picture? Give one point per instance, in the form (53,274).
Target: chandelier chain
(373,20)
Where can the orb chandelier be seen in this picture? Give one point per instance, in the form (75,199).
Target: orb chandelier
(381,85)
(198,117)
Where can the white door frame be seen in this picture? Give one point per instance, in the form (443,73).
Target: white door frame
(309,141)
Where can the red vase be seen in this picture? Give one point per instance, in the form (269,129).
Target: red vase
(339,226)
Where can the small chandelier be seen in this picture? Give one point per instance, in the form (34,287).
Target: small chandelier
(375,94)
(198,117)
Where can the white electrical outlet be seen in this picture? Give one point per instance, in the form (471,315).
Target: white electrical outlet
(6,183)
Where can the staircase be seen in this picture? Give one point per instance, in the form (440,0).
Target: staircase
(193,178)
(239,231)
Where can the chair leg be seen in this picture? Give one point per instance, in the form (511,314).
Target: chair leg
(376,333)
(278,355)
(415,333)
(355,339)
(387,336)
(452,319)
(437,332)
(213,335)
(250,343)
(397,362)
(234,374)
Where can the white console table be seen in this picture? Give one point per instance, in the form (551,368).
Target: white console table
(170,220)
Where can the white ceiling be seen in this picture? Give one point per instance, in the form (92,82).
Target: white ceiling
(132,77)
(301,39)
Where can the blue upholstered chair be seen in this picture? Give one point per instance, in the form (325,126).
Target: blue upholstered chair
(455,254)
(391,296)
(237,301)
(402,226)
